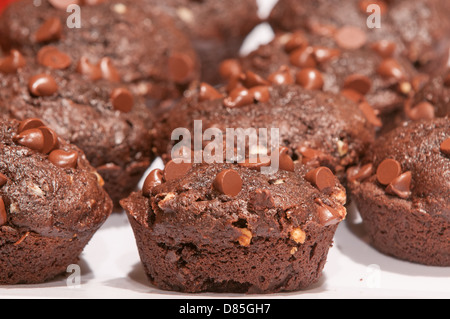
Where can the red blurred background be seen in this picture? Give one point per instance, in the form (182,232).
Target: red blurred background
(3,4)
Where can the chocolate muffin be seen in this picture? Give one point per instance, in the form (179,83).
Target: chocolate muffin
(349,65)
(320,129)
(217,29)
(230,228)
(402,192)
(418,27)
(131,42)
(51,202)
(103,118)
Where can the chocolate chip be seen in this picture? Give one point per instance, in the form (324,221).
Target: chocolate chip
(401,186)
(175,170)
(3,216)
(238,97)
(92,71)
(63,4)
(42,85)
(181,67)
(33,139)
(153,179)
(422,111)
(281,77)
(388,171)
(208,93)
(445,147)
(251,79)
(260,93)
(64,159)
(12,62)
(51,57)
(359,83)
(260,201)
(297,40)
(390,68)
(285,161)
(108,70)
(3,180)
(29,124)
(50,139)
(324,54)
(310,156)
(257,163)
(230,69)
(310,79)
(352,95)
(50,30)
(384,48)
(359,174)
(322,178)
(328,216)
(228,182)
(350,38)
(122,100)
(370,114)
(303,58)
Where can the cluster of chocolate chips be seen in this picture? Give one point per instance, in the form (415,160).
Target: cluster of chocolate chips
(389,173)
(33,133)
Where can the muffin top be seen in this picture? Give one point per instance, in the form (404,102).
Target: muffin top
(142,42)
(412,164)
(225,203)
(317,127)
(47,185)
(101,116)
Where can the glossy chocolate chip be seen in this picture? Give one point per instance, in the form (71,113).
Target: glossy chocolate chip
(92,71)
(260,93)
(370,114)
(310,79)
(282,76)
(251,79)
(122,100)
(181,67)
(228,182)
(238,97)
(155,178)
(52,57)
(390,68)
(42,85)
(359,83)
(297,40)
(230,69)
(64,159)
(350,38)
(401,186)
(360,174)
(50,30)
(3,216)
(422,111)
(208,93)
(175,170)
(328,216)
(324,54)
(256,163)
(50,139)
(12,62)
(285,161)
(388,171)
(32,138)
(384,48)
(303,58)
(109,71)
(322,178)
(310,156)
(63,4)
(445,147)
(29,124)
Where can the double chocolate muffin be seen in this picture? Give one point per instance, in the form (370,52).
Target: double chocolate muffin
(102,117)
(402,191)
(318,128)
(217,29)
(370,72)
(129,41)
(418,27)
(230,228)
(51,202)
